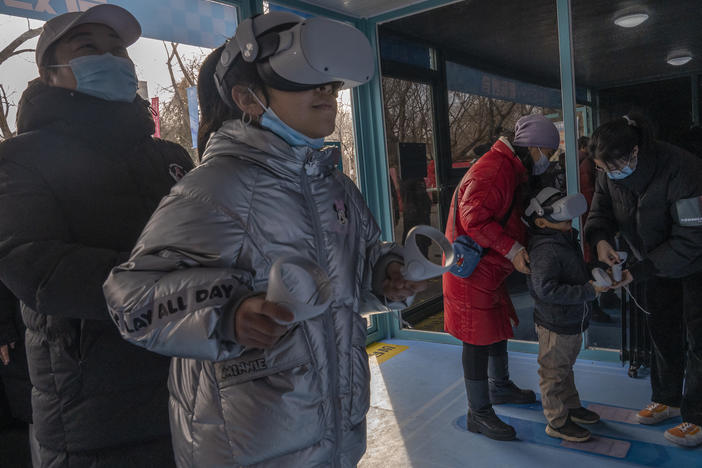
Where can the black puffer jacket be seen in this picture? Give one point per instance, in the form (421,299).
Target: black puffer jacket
(641,207)
(559,281)
(15,377)
(77,186)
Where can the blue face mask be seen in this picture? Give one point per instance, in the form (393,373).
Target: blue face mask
(272,122)
(104,76)
(624,172)
(541,165)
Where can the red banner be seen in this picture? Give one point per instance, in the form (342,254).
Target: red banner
(157,116)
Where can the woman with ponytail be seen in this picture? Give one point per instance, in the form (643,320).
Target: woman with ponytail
(644,190)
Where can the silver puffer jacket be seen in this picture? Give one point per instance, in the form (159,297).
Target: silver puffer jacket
(209,245)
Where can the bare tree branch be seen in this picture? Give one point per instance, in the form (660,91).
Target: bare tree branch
(179,100)
(9,51)
(21,51)
(186,73)
(5,131)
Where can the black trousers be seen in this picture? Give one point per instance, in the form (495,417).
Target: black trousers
(475,358)
(675,327)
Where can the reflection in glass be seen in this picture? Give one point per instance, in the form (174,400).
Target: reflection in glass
(411,159)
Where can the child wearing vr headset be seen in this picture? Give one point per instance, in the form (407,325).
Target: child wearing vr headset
(250,384)
(561,286)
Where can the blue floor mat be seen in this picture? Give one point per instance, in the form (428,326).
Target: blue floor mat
(641,453)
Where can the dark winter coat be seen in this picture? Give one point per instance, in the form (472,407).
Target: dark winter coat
(15,376)
(477,309)
(559,281)
(77,186)
(641,208)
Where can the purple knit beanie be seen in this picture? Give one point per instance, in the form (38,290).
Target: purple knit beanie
(536,130)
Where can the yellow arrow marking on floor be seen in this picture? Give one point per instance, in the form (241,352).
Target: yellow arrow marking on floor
(384,351)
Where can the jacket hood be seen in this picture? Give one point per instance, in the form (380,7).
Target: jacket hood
(86,116)
(265,148)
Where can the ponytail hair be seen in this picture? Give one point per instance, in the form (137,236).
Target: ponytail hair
(615,140)
(213,109)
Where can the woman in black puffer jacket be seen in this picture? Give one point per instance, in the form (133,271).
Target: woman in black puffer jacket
(639,186)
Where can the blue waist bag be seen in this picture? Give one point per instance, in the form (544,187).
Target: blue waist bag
(468,255)
(468,252)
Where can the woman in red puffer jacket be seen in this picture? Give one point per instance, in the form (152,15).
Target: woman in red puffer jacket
(478,309)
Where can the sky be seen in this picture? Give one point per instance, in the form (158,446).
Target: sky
(149,57)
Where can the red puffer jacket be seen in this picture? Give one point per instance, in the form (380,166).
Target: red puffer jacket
(477,309)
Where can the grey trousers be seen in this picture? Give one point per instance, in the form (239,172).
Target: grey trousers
(557,354)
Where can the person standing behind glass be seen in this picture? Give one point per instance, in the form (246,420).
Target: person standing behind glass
(636,193)
(77,185)
(478,310)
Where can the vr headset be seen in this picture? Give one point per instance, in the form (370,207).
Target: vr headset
(555,206)
(306,54)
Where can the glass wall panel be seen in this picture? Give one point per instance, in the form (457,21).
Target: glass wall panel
(411,159)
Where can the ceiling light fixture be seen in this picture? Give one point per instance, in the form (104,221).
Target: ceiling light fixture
(677,59)
(631,20)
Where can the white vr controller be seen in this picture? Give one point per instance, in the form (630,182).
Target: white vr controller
(417,267)
(603,279)
(301,286)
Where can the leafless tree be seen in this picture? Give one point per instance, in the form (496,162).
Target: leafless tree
(175,120)
(12,49)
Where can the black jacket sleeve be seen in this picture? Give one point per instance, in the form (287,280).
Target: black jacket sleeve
(600,224)
(39,261)
(8,309)
(684,244)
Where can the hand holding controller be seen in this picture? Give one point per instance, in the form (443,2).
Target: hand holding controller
(617,267)
(301,286)
(603,279)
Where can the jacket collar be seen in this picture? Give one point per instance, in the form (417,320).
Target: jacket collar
(265,148)
(553,235)
(503,147)
(642,176)
(105,123)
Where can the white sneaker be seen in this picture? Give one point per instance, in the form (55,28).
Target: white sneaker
(687,434)
(654,413)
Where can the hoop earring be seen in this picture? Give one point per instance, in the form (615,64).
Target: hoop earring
(246,118)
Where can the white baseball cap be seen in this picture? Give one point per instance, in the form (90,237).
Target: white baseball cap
(120,20)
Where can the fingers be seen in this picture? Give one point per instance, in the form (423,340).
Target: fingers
(417,286)
(259,335)
(627,278)
(276,312)
(5,354)
(397,291)
(606,253)
(524,263)
(256,325)
(394,270)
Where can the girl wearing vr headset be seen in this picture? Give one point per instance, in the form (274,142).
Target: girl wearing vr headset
(478,309)
(641,184)
(249,384)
